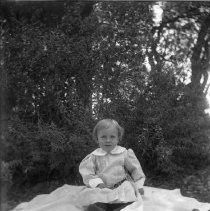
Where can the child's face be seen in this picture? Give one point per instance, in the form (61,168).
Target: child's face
(108,138)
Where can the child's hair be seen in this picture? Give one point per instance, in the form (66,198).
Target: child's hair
(106,123)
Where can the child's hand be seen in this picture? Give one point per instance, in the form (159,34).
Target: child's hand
(101,185)
(141,191)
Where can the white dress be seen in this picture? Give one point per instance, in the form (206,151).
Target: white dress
(110,169)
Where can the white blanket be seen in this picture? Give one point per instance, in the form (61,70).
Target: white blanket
(69,198)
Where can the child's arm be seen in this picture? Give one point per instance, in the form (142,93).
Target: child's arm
(88,173)
(134,168)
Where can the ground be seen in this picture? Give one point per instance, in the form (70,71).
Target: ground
(196,185)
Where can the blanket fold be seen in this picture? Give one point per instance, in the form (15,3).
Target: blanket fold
(76,198)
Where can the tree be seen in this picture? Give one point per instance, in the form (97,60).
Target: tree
(104,60)
(120,43)
(185,30)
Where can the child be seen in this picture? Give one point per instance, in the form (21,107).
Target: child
(111,165)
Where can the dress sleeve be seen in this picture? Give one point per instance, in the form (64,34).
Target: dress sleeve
(88,173)
(134,168)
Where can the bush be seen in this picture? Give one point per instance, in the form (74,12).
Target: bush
(43,152)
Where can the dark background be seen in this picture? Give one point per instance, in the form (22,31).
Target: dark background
(65,65)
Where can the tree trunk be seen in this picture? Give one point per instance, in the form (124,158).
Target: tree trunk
(198,61)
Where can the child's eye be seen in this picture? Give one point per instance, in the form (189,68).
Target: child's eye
(112,137)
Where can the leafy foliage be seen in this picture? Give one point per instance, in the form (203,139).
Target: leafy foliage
(103,60)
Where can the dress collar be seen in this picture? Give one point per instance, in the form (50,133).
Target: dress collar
(116,150)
